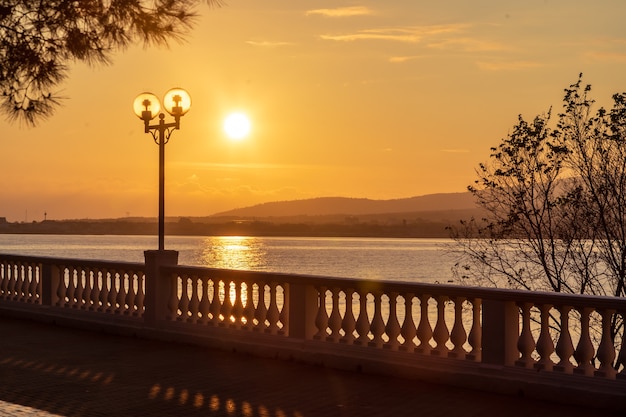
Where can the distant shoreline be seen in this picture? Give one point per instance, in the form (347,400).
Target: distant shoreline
(260,228)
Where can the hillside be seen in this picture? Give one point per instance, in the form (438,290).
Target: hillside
(423,216)
(327,206)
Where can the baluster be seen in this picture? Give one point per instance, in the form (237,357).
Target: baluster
(194,302)
(441,334)
(349,322)
(238,307)
(117,285)
(120,301)
(12,280)
(408,330)
(137,291)
(261,310)
(76,287)
(621,358)
(141,293)
(205,304)
(4,284)
(89,293)
(476,332)
(71,288)
(424,329)
(606,349)
(34,284)
(584,351)
(129,301)
(94,289)
(321,319)
(97,290)
(564,346)
(248,311)
(32,288)
(173,304)
(227,305)
(28,276)
(215,302)
(15,280)
(98,295)
(8,279)
(61,289)
(111,302)
(17,288)
(378,325)
(272,312)
(19,282)
(125,294)
(183,303)
(18,278)
(284,310)
(525,343)
(27,280)
(362,323)
(23,291)
(458,336)
(545,346)
(106,288)
(393,325)
(80,293)
(334,321)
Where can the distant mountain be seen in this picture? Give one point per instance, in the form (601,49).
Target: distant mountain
(325,206)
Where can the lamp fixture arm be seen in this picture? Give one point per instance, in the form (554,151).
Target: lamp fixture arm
(165,130)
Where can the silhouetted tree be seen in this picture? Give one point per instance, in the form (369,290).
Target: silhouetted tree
(555,204)
(39,38)
(555,200)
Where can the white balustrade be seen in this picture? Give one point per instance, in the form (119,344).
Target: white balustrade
(20,280)
(220,299)
(545,332)
(81,285)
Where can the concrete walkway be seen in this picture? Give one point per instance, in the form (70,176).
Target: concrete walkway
(70,372)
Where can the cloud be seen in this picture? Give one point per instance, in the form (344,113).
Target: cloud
(607,56)
(342,12)
(507,65)
(268,44)
(401,59)
(232,167)
(458,150)
(467,45)
(411,34)
(396,35)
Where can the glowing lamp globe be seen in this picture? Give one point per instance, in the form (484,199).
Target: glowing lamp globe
(146,106)
(177,102)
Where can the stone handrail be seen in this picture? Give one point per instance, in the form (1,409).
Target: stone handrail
(455,334)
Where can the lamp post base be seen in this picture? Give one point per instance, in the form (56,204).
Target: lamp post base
(159,287)
(161,257)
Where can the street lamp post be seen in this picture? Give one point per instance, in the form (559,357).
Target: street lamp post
(146,106)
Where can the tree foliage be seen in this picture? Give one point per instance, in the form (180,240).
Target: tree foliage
(39,39)
(554,194)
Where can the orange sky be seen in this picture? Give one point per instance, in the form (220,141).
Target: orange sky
(356,99)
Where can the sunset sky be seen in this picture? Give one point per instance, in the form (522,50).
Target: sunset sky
(370,99)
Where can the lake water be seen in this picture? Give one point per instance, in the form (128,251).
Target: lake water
(424,260)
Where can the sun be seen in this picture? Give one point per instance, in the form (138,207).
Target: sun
(237,126)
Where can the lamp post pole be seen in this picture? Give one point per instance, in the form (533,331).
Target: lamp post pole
(162,129)
(176,102)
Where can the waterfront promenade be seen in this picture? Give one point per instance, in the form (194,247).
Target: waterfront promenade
(73,372)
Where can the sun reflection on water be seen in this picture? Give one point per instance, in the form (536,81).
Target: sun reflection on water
(234,252)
